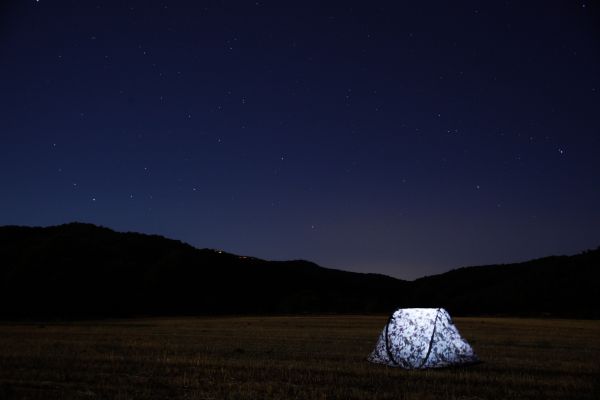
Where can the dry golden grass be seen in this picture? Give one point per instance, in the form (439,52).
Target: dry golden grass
(289,358)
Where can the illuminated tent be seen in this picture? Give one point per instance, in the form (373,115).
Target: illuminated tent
(421,338)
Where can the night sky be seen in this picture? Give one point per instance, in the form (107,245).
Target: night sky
(404,138)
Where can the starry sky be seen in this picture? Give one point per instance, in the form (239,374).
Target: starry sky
(404,138)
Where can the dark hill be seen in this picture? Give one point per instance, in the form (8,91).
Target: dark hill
(81,270)
(552,286)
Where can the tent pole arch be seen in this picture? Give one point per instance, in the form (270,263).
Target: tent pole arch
(387,341)
(437,314)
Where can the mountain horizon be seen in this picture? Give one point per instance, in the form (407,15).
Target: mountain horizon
(249,256)
(83,270)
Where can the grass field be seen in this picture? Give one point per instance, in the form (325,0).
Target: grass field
(289,358)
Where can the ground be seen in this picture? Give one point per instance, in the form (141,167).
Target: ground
(308,357)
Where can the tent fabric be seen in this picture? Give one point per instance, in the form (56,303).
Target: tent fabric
(417,338)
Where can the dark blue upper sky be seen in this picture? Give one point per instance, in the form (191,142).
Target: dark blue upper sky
(393,137)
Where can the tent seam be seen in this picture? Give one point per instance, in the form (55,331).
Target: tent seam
(430,340)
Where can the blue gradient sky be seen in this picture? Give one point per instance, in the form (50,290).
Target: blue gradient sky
(405,139)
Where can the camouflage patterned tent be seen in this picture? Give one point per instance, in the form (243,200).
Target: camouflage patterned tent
(421,338)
